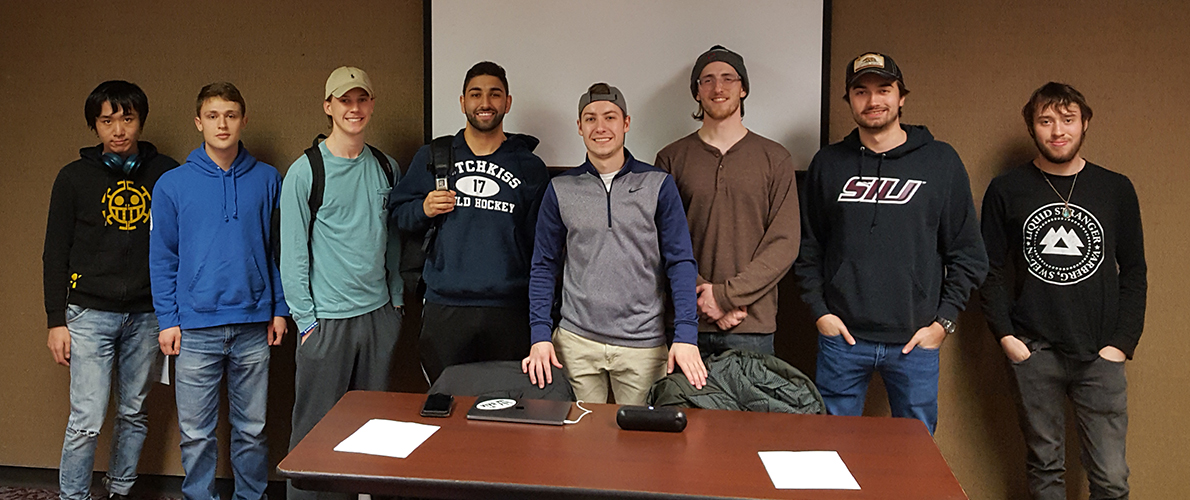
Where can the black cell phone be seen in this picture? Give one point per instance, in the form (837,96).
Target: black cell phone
(438,405)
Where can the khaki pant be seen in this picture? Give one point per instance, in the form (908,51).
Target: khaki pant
(592,367)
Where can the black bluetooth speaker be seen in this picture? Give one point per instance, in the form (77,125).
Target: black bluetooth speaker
(647,418)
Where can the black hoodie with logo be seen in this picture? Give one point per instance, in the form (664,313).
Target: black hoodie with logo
(97,235)
(890,241)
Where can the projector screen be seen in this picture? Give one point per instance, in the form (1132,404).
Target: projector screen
(554,50)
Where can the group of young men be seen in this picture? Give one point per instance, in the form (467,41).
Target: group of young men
(890,249)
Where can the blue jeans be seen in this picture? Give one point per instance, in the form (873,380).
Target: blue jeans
(102,342)
(242,351)
(714,343)
(911,379)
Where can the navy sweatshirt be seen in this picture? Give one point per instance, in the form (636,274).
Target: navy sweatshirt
(620,247)
(890,241)
(1077,282)
(481,254)
(209,250)
(97,235)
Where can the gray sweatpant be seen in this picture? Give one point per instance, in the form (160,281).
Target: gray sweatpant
(340,355)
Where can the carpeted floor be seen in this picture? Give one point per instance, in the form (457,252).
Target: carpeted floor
(20,493)
(10,493)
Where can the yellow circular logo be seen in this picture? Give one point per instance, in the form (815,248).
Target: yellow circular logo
(126,206)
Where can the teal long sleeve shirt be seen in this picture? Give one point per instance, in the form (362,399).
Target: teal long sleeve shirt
(348,264)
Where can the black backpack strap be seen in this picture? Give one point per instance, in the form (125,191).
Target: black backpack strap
(441,159)
(317,178)
(317,186)
(384,164)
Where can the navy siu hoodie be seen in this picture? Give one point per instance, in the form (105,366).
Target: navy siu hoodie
(890,241)
(209,251)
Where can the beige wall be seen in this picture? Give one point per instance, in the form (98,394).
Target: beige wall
(970,67)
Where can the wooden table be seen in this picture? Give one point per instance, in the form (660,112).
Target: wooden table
(716,457)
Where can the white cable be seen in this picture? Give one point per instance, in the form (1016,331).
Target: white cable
(579,404)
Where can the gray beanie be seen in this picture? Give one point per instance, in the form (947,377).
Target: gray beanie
(718,53)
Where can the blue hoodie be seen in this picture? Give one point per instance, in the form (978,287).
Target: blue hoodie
(210,234)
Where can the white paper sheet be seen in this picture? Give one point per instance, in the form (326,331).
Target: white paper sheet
(164,361)
(807,470)
(387,438)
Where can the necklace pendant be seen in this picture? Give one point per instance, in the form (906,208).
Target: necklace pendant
(1065,212)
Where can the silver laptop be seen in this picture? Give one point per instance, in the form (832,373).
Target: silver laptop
(524,411)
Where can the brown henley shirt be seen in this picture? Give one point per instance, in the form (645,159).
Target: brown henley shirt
(742,208)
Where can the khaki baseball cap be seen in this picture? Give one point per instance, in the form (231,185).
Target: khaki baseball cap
(346,78)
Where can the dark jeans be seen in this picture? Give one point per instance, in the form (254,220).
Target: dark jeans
(1098,391)
(456,335)
(910,379)
(340,355)
(714,343)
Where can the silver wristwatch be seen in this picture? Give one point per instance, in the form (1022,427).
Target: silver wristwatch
(947,325)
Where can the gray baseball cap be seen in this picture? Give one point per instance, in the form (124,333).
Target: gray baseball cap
(602,92)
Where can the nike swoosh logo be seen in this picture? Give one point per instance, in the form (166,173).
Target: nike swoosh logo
(635,189)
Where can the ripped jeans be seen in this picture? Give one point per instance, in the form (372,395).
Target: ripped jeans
(101,343)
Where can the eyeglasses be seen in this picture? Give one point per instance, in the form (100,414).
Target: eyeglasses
(727,80)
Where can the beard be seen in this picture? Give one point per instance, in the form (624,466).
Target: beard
(1052,157)
(719,113)
(877,124)
(473,119)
